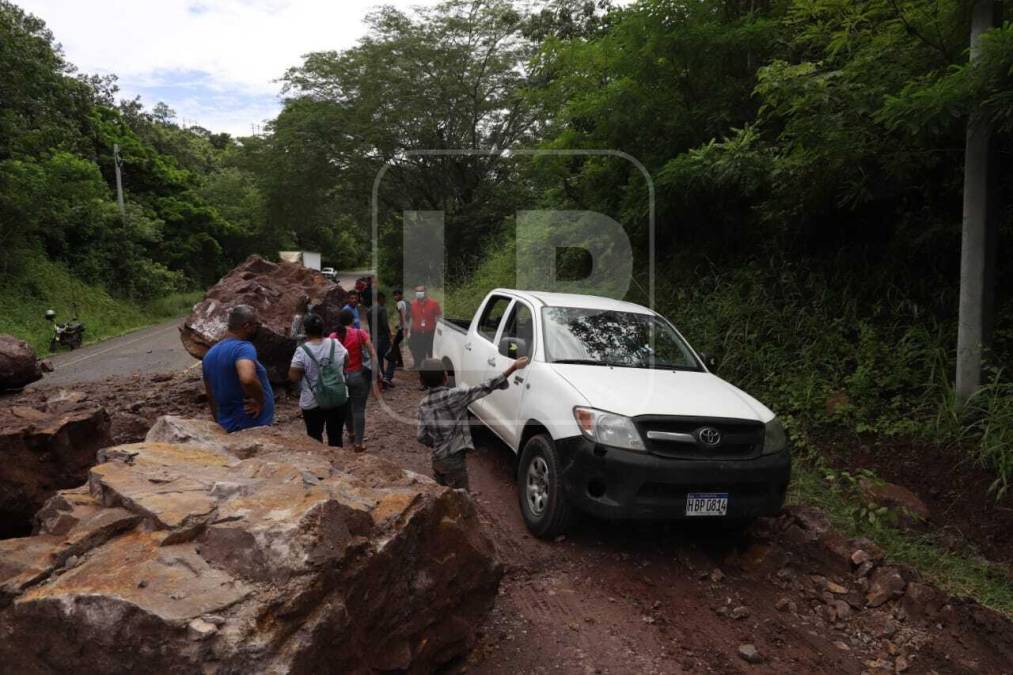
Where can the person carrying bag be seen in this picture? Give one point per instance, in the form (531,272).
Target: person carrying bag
(318,365)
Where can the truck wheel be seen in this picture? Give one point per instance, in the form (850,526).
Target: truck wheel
(546,511)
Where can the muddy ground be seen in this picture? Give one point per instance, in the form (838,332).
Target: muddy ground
(648,598)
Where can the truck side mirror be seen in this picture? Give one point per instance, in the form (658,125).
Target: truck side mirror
(513,348)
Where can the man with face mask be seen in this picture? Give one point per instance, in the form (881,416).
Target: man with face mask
(239,392)
(425,312)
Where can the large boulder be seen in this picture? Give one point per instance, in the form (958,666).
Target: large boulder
(43,450)
(197,551)
(18,363)
(274,290)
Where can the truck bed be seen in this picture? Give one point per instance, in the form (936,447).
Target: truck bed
(461,325)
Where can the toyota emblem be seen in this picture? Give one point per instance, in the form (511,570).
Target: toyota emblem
(709,436)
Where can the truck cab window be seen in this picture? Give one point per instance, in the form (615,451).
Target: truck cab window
(493,313)
(521,325)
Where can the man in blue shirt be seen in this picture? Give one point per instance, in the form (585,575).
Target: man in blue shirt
(239,392)
(352,306)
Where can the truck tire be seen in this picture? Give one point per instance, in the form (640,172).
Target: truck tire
(544,505)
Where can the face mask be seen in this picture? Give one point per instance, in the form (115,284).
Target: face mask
(420,294)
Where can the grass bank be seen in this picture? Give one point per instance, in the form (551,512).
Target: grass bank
(961,573)
(24,300)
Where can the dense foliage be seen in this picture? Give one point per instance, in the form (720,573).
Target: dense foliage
(191,209)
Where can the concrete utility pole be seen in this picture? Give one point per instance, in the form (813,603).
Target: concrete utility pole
(977,246)
(118,161)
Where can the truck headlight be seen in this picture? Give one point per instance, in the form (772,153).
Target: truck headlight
(607,428)
(774,438)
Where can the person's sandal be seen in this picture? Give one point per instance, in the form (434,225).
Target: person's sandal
(360,448)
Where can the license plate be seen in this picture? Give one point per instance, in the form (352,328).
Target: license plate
(707,504)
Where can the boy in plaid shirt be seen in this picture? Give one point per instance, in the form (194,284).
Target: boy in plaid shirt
(443,419)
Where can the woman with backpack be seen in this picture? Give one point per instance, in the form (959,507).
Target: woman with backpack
(358,375)
(318,365)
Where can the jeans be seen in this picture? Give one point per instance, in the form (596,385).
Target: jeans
(333,419)
(387,364)
(358,393)
(452,471)
(393,356)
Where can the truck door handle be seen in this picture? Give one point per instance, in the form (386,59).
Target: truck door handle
(491,360)
(467,345)
(518,379)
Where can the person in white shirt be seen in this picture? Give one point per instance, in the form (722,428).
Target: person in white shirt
(404,331)
(306,371)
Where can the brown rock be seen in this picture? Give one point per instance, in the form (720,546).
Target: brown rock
(42,452)
(274,290)
(922,601)
(18,363)
(874,551)
(268,559)
(885,584)
(813,522)
(909,508)
(750,654)
(129,427)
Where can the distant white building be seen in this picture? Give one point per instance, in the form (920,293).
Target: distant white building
(308,259)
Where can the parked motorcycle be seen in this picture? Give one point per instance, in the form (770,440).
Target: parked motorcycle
(70,334)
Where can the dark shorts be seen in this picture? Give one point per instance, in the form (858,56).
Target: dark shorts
(452,471)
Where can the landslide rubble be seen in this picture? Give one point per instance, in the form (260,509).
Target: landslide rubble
(18,364)
(43,449)
(274,290)
(256,552)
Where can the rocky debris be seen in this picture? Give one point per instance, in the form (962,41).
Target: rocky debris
(18,364)
(43,450)
(909,509)
(750,654)
(274,290)
(886,583)
(258,551)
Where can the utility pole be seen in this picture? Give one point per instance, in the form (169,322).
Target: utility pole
(978,239)
(118,162)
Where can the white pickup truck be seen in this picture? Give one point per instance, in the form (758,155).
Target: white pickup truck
(616,415)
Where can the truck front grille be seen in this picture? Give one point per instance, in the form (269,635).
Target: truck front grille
(681,437)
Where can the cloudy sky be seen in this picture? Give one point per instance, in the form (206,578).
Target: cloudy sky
(215,62)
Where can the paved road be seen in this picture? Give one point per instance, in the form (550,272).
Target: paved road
(149,350)
(155,349)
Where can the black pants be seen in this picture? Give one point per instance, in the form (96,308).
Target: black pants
(422,348)
(333,419)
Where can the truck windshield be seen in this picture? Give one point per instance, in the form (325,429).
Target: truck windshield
(611,338)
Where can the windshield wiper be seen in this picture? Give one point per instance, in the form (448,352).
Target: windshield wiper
(583,362)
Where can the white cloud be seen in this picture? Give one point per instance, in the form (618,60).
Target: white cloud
(213,61)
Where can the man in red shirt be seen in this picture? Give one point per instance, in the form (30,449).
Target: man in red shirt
(425,312)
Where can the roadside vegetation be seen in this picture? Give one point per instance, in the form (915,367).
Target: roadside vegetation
(23,302)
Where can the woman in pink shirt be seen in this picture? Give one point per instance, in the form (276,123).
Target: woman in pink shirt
(358,376)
